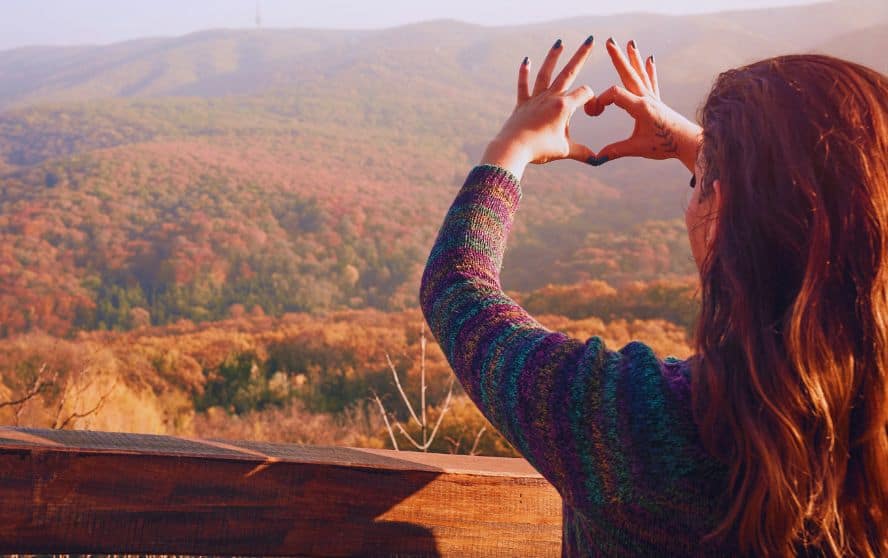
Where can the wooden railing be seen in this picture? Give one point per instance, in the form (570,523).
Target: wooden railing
(96,492)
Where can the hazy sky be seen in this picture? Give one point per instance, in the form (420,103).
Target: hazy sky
(28,22)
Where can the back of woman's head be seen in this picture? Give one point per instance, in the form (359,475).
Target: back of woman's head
(792,391)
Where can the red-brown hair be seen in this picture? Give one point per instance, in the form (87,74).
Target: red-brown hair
(792,386)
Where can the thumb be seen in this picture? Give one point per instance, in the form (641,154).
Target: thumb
(592,107)
(615,95)
(580,96)
(624,148)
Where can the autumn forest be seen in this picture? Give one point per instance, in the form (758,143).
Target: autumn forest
(222,234)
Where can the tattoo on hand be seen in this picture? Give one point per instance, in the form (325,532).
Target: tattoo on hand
(667,139)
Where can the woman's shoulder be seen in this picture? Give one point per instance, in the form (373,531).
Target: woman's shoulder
(650,400)
(653,390)
(639,360)
(642,446)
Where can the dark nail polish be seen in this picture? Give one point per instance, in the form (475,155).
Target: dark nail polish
(632,45)
(526,61)
(610,40)
(651,57)
(589,40)
(557,44)
(597,161)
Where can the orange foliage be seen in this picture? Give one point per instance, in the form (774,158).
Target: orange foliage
(158,372)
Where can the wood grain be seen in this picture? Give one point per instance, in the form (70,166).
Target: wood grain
(98,492)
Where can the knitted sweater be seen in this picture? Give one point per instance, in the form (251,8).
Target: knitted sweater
(611,430)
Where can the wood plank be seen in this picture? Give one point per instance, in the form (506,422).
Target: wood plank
(98,492)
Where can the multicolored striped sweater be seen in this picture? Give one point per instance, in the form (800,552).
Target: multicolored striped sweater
(611,430)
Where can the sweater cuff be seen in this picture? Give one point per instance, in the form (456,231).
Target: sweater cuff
(498,177)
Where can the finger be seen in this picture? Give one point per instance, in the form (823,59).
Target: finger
(637,64)
(651,68)
(625,148)
(615,95)
(593,107)
(581,153)
(627,74)
(580,96)
(544,77)
(524,81)
(569,73)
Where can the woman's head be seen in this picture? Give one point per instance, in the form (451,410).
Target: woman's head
(793,332)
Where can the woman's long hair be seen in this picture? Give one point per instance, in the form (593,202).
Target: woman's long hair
(792,389)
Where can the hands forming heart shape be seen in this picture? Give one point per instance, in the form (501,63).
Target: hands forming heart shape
(538,130)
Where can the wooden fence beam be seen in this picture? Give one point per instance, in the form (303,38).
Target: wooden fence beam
(97,492)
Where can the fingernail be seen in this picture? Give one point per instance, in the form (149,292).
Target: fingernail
(610,41)
(597,161)
(651,57)
(526,61)
(557,44)
(589,40)
(632,44)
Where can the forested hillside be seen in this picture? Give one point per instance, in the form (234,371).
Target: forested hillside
(305,170)
(223,234)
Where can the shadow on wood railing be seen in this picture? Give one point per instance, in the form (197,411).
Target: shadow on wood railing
(97,492)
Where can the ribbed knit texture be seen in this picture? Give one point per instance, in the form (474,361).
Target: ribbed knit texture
(611,430)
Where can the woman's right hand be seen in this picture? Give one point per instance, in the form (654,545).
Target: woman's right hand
(660,132)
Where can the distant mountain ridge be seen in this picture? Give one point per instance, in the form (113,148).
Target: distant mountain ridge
(225,62)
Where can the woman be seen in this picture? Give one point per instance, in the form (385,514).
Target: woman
(773,439)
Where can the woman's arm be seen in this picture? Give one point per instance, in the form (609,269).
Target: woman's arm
(539,388)
(536,386)
(600,425)
(606,428)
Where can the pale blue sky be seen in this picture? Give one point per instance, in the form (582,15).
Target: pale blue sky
(65,22)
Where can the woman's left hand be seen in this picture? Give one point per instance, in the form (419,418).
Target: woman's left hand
(538,131)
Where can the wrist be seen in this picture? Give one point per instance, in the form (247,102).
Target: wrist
(509,155)
(689,139)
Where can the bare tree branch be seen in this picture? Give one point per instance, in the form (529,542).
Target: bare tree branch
(477,439)
(416,444)
(61,406)
(422,344)
(443,412)
(42,381)
(425,446)
(60,425)
(400,389)
(34,390)
(427,438)
(385,418)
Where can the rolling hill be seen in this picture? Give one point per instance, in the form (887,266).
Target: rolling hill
(308,170)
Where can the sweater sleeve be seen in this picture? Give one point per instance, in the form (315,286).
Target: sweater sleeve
(613,431)
(536,386)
